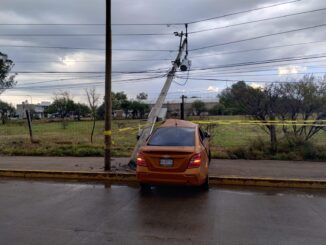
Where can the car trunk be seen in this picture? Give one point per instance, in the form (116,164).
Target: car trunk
(159,158)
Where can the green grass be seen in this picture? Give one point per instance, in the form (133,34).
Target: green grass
(53,139)
(227,141)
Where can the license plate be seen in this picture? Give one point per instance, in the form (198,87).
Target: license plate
(166,162)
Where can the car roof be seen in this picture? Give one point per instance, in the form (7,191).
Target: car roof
(178,123)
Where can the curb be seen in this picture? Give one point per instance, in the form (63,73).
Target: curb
(268,182)
(122,177)
(71,175)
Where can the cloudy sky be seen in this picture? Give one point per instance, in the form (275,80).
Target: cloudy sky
(218,47)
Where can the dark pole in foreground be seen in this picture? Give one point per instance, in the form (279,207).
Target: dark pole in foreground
(29,121)
(108,87)
(182,111)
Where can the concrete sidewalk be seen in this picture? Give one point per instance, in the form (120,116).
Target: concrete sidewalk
(218,168)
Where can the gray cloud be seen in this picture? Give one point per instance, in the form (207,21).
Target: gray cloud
(154,11)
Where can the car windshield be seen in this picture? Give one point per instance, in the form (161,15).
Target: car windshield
(173,136)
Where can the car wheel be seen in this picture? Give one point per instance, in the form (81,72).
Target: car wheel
(205,186)
(144,187)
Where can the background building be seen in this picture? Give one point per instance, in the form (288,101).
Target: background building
(37,110)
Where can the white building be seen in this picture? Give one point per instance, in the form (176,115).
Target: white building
(36,109)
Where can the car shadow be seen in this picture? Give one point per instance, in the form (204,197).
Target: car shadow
(172,191)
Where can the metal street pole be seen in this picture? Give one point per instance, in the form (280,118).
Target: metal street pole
(152,117)
(108,88)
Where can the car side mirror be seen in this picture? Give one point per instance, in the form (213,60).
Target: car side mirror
(207,135)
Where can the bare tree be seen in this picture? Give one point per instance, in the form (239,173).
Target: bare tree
(300,105)
(304,101)
(93,100)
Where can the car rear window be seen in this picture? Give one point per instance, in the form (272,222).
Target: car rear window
(173,137)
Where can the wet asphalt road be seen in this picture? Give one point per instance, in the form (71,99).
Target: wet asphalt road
(73,213)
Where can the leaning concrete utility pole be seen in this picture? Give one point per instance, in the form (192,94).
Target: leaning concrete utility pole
(108,88)
(152,117)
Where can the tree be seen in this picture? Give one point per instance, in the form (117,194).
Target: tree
(138,109)
(198,106)
(5,111)
(93,99)
(81,110)
(63,105)
(226,99)
(142,96)
(101,111)
(117,99)
(218,109)
(126,106)
(303,100)
(259,103)
(6,81)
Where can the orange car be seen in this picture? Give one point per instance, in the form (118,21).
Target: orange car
(177,152)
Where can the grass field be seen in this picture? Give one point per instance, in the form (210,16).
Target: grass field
(53,140)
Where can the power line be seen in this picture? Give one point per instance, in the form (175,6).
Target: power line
(167,59)
(57,61)
(51,24)
(64,79)
(82,48)
(245,69)
(154,34)
(239,71)
(255,21)
(168,50)
(164,70)
(256,75)
(89,61)
(237,80)
(50,35)
(78,85)
(49,47)
(90,72)
(242,12)
(256,49)
(258,37)
(150,24)
(314,56)
(79,34)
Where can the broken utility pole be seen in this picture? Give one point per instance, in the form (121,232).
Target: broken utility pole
(152,117)
(108,88)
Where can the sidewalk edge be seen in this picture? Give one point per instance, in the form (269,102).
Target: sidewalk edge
(72,175)
(131,177)
(268,182)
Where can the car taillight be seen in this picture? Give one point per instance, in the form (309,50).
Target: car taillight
(195,161)
(140,161)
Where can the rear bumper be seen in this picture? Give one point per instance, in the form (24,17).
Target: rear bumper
(190,177)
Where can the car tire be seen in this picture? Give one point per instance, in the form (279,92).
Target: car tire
(144,187)
(205,186)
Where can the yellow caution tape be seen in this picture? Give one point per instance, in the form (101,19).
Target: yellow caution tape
(108,133)
(315,123)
